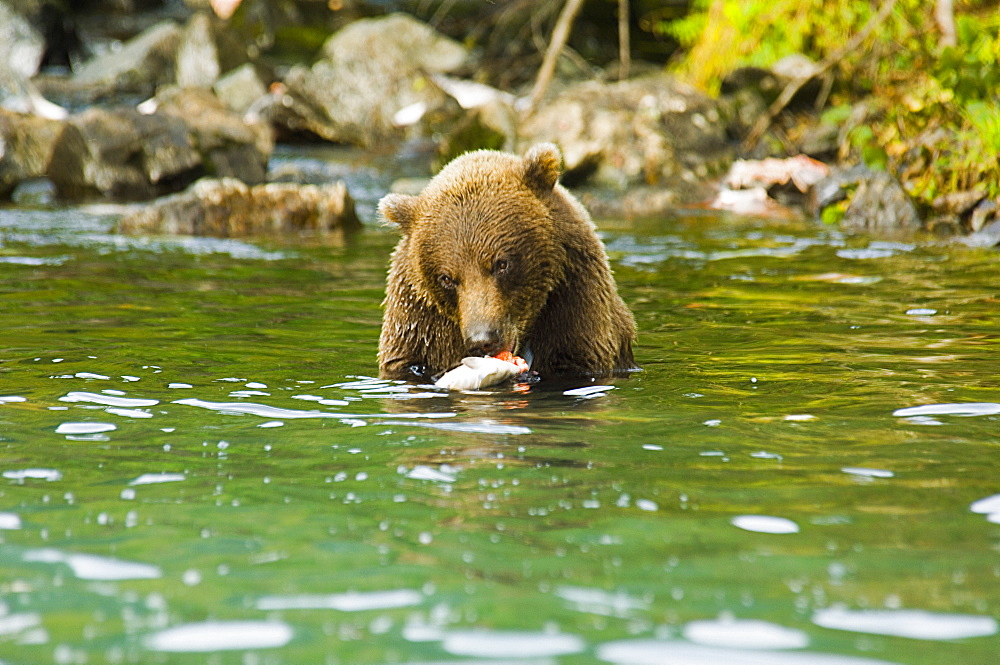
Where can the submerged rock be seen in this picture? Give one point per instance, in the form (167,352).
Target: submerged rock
(229,208)
(648,131)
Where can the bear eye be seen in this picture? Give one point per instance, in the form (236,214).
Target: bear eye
(501,267)
(446,281)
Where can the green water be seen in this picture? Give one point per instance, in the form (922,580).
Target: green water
(240,492)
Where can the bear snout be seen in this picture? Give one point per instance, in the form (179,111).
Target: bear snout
(484,340)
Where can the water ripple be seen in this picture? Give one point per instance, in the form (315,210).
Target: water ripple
(220,636)
(966,409)
(744,634)
(474,427)
(34,474)
(272,412)
(107,400)
(92,567)
(765,524)
(498,644)
(915,624)
(344,602)
(676,652)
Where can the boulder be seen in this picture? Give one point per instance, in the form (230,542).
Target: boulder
(142,63)
(207,49)
(488,127)
(987,236)
(652,131)
(229,145)
(26,145)
(123,154)
(197,64)
(22,47)
(747,92)
(875,202)
(229,208)
(240,88)
(370,71)
(177,137)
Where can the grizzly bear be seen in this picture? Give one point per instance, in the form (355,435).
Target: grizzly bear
(496,256)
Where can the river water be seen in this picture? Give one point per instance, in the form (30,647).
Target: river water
(198,467)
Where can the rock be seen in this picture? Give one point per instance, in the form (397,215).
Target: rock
(123,154)
(768,84)
(652,130)
(197,63)
(26,145)
(229,145)
(240,88)
(881,204)
(759,82)
(229,208)
(984,212)
(878,203)
(369,71)
(23,47)
(637,202)
(822,140)
(988,236)
(748,92)
(490,127)
(180,135)
(177,137)
(142,63)
(958,203)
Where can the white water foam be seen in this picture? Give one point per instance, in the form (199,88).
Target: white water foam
(93,567)
(744,634)
(914,624)
(220,636)
(499,644)
(676,652)
(344,602)
(765,524)
(965,409)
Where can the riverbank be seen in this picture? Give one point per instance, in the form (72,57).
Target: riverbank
(186,91)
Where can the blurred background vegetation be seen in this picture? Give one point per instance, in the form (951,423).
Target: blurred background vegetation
(926,77)
(908,86)
(912,84)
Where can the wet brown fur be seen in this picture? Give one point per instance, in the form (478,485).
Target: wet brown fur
(556,296)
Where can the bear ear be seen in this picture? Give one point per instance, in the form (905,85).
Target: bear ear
(398,209)
(541,167)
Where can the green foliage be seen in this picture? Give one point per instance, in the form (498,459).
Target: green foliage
(721,35)
(969,68)
(933,115)
(863,138)
(832,214)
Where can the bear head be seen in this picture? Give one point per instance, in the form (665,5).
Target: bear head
(481,244)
